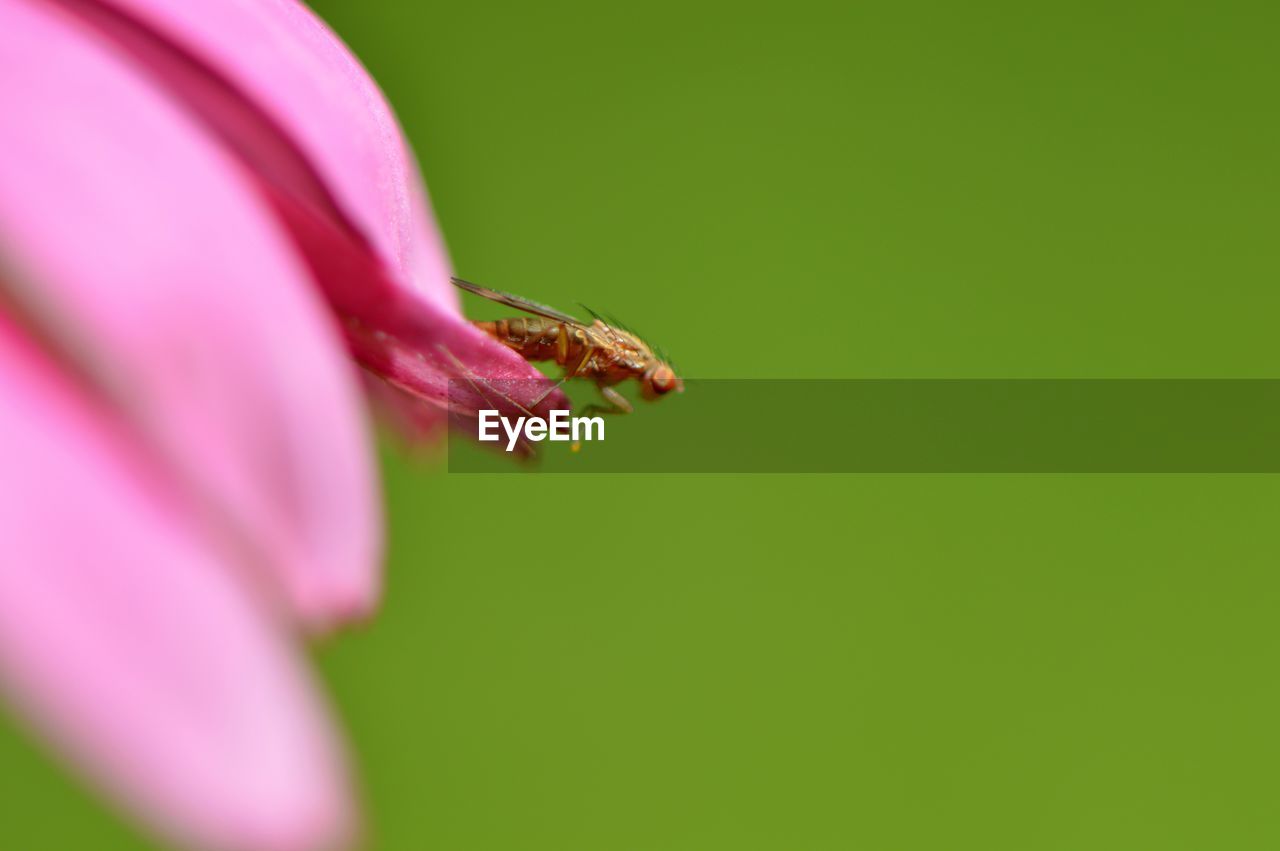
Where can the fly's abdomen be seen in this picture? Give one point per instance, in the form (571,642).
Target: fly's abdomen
(535,338)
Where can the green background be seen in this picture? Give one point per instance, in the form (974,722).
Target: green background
(813,663)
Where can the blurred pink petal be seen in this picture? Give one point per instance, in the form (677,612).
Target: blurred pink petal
(135,647)
(280,57)
(418,424)
(202,204)
(153,259)
(296,107)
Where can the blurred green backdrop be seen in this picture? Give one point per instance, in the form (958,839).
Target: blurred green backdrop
(796,663)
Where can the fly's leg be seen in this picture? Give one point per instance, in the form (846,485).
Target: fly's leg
(553,388)
(562,357)
(587,352)
(619,403)
(562,345)
(476,382)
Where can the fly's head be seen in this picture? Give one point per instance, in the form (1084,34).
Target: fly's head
(659,380)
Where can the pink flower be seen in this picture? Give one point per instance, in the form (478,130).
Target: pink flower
(206,209)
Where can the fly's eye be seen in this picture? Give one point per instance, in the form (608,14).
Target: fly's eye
(664,380)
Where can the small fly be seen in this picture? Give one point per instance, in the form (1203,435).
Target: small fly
(604,352)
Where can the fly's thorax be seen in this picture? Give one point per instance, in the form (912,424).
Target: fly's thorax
(637,349)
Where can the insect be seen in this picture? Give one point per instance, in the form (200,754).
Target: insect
(602,351)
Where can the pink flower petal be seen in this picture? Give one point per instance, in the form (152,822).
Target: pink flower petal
(281,92)
(149,256)
(285,60)
(419,424)
(135,648)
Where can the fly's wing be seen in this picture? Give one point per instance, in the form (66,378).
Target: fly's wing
(516,301)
